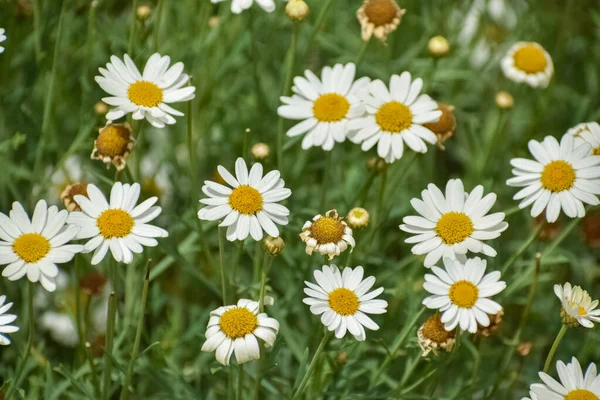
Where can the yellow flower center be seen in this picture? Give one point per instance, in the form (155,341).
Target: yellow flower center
(343,301)
(238,322)
(144,93)
(327,230)
(380,12)
(580,310)
(433,329)
(246,200)
(581,394)
(454,227)
(394,117)
(113,141)
(558,176)
(358,214)
(530,59)
(115,223)
(464,294)
(330,107)
(31,247)
(596,151)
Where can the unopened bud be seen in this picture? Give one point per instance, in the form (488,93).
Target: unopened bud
(504,100)
(100,108)
(438,46)
(273,246)
(297,10)
(143,12)
(358,218)
(260,151)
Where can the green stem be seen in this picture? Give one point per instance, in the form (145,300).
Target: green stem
(320,19)
(268,261)
(157,21)
(362,51)
(240,388)
(93,373)
(379,206)
(291,55)
(522,249)
(21,367)
(259,372)
(37,30)
(110,332)
(247,142)
(132,28)
(413,366)
(222,265)
(561,334)
(312,365)
(78,310)
(325,188)
(138,336)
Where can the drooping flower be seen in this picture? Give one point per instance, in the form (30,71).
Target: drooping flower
(578,309)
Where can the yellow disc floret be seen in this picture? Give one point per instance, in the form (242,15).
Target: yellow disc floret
(343,301)
(394,117)
(530,59)
(330,107)
(327,230)
(113,141)
(31,247)
(581,394)
(454,227)
(558,175)
(246,200)
(433,329)
(115,223)
(464,294)
(238,322)
(144,93)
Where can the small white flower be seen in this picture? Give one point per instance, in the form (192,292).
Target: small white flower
(2,39)
(237,6)
(251,206)
(453,225)
(462,293)
(146,95)
(528,62)
(236,329)
(61,328)
(578,305)
(119,225)
(343,302)
(573,384)
(395,117)
(587,132)
(328,235)
(34,247)
(324,105)
(5,320)
(562,176)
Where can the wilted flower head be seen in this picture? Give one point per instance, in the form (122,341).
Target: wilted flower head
(113,145)
(68,195)
(379,18)
(433,336)
(443,128)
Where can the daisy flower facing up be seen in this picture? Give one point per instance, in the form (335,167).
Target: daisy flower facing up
(343,302)
(5,320)
(250,206)
(395,117)
(432,336)
(461,292)
(578,309)
(237,6)
(324,105)
(562,176)
(528,62)
(327,234)
(573,385)
(587,132)
(146,95)
(120,225)
(2,39)
(113,145)
(34,247)
(454,224)
(379,18)
(235,329)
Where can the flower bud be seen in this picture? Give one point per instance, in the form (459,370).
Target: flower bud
(358,218)
(297,10)
(260,151)
(438,46)
(100,108)
(273,246)
(143,12)
(504,100)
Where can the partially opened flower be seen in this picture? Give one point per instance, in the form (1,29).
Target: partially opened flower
(237,6)
(587,132)
(462,293)
(235,329)
(2,39)
(562,177)
(113,145)
(250,206)
(433,337)
(148,94)
(34,246)
(328,235)
(578,309)
(573,385)
(379,18)
(343,300)
(454,224)
(120,225)
(325,106)
(5,320)
(395,117)
(528,62)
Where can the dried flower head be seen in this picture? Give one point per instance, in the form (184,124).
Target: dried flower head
(273,245)
(504,100)
(260,151)
(328,235)
(438,46)
(113,145)
(495,320)
(297,10)
(444,128)
(68,195)
(379,18)
(433,337)
(358,218)
(524,348)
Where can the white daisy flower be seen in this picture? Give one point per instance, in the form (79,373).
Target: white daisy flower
(324,105)
(251,206)
(395,117)
(343,302)
(2,39)
(462,293)
(237,6)
(328,235)
(148,94)
(573,385)
(5,320)
(561,177)
(528,62)
(577,306)
(34,247)
(587,132)
(119,225)
(453,225)
(236,329)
